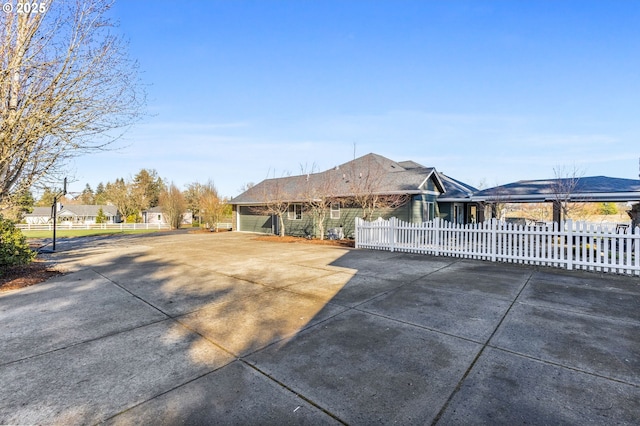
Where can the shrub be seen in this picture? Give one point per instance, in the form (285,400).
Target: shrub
(14,249)
(608,208)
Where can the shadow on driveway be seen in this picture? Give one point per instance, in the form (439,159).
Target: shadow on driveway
(220,328)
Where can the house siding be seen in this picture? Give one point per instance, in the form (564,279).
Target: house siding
(306,227)
(418,205)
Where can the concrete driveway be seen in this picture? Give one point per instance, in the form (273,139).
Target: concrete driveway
(177,328)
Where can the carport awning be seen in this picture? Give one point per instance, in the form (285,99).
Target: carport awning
(587,189)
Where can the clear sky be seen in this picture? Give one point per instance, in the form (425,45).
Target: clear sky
(493,91)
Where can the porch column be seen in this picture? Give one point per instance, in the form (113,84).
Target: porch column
(634,214)
(557,212)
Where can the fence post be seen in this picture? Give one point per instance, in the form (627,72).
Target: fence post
(436,236)
(493,246)
(392,234)
(357,232)
(569,224)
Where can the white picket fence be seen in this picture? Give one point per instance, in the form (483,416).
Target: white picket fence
(570,245)
(71,225)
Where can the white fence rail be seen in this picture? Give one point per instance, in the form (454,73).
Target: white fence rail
(70,225)
(571,245)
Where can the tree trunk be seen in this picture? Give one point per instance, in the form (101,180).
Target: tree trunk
(281,222)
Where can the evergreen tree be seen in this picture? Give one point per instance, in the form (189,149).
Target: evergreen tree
(46,199)
(101,217)
(100,197)
(146,188)
(87,196)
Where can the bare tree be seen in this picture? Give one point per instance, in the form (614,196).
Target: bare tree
(538,212)
(366,187)
(318,193)
(193,195)
(212,205)
(247,186)
(120,194)
(563,188)
(173,205)
(66,84)
(275,201)
(498,201)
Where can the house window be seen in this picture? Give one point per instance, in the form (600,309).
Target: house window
(457,214)
(429,211)
(295,212)
(159,217)
(335,211)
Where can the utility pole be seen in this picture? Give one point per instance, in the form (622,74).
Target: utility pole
(54,210)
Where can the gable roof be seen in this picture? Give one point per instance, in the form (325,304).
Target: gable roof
(456,190)
(591,188)
(372,171)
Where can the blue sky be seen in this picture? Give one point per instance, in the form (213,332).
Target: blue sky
(485,91)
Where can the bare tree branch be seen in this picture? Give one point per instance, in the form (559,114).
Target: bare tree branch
(66,84)
(275,201)
(173,205)
(564,186)
(318,193)
(366,187)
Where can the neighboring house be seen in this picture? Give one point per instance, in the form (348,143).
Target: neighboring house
(154,215)
(78,213)
(408,191)
(39,216)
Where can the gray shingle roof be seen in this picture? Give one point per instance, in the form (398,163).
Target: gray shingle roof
(455,190)
(76,209)
(40,212)
(371,171)
(592,188)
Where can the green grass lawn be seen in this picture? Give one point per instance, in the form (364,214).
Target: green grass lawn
(65,233)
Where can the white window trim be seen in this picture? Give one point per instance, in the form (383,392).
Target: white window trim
(428,206)
(296,213)
(334,212)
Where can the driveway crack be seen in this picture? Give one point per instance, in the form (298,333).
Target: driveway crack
(479,354)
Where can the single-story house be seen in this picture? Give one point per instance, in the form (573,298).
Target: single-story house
(75,213)
(591,189)
(156,216)
(39,216)
(407,190)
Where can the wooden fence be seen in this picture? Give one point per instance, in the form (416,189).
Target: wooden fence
(570,245)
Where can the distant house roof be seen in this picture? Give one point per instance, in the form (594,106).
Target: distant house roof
(82,210)
(85,210)
(385,176)
(592,188)
(39,212)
